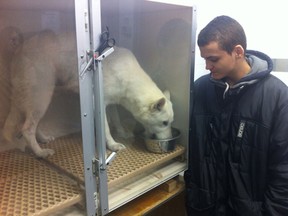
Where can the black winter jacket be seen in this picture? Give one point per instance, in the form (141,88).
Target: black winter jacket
(238,153)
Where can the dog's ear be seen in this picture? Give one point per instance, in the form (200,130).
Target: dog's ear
(158,105)
(167,94)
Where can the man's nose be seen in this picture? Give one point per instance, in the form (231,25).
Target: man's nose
(208,66)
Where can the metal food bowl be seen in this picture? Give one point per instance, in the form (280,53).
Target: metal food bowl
(162,145)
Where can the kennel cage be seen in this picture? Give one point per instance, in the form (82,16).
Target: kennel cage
(162,38)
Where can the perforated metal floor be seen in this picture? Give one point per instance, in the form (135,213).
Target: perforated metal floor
(29,186)
(129,162)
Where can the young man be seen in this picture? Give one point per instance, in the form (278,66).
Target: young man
(238,153)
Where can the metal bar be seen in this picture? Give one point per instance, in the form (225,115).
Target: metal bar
(86,103)
(99,110)
(100,138)
(193,50)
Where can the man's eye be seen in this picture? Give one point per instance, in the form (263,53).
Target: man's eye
(214,60)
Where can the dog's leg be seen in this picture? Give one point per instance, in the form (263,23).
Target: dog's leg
(111,143)
(36,97)
(29,131)
(34,112)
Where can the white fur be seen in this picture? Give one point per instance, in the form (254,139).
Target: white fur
(46,60)
(126,83)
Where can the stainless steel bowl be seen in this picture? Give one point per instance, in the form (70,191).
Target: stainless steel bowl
(162,145)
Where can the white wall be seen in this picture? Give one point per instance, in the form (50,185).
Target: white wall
(263,21)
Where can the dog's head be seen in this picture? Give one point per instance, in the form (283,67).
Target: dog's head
(157,118)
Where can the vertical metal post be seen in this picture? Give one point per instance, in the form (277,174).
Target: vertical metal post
(100,138)
(88,29)
(192,72)
(99,109)
(86,103)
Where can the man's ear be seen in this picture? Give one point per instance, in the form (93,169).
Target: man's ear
(239,51)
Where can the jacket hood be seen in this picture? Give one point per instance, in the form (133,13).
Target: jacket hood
(261,66)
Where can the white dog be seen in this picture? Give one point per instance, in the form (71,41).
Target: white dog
(46,61)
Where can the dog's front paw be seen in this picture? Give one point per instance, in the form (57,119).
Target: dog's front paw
(116,146)
(44,153)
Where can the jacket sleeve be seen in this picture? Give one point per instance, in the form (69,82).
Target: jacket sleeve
(276,195)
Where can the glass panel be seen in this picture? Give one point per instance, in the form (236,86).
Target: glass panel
(39,54)
(39,96)
(157,42)
(39,103)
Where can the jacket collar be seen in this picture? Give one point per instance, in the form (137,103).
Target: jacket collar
(261,66)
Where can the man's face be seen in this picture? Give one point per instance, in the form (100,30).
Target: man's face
(220,63)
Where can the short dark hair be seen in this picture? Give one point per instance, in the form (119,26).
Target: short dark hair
(224,30)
